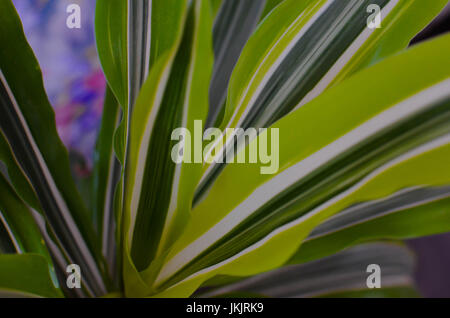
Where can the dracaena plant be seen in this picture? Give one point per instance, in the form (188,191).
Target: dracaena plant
(364,152)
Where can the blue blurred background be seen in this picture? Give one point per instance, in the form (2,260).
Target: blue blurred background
(75,85)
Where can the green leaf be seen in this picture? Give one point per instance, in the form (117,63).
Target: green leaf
(395,292)
(25,276)
(270,5)
(106,174)
(233,25)
(158,191)
(111,25)
(215,6)
(301,49)
(123,36)
(139,44)
(397,140)
(124,41)
(17,176)
(299,36)
(168,18)
(6,243)
(345,271)
(147,31)
(17,218)
(409,214)
(28,124)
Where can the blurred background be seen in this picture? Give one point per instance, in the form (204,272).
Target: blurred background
(75,86)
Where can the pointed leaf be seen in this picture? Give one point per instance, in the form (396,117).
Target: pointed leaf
(398,140)
(301,49)
(17,218)
(18,177)
(28,124)
(159,192)
(345,271)
(233,25)
(106,174)
(25,276)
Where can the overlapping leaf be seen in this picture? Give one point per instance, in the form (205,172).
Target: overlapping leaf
(328,161)
(25,276)
(17,218)
(28,124)
(384,141)
(158,191)
(301,49)
(405,215)
(345,271)
(105,177)
(16,175)
(233,25)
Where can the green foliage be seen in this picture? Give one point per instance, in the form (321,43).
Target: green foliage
(364,127)
(26,276)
